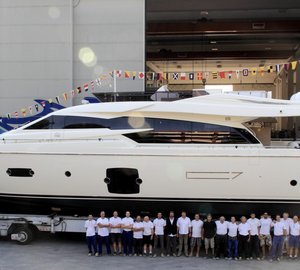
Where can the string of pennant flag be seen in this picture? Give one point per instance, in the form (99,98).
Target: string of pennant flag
(200,75)
(62,98)
(133,75)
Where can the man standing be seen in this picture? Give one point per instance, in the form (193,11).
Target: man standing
(254,233)
(232,239)
(280,231)
(197,227)
(183,233)
(159,225)
(244,238)
(103,233)
(170,232)
(265,234)
(148,235)
(209,232)
(127,225)
(90,226)
(294,237)
(287,222)
(221,237)
(115,233)
(138,229)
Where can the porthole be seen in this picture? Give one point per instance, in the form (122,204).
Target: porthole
(107,180)
(8,171)
(139,181)
(293,183)
(67,173)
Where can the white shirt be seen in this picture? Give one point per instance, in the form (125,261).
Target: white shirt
(244,229)
(197,226)
(147,227)
(90,226)
(103,231)
(127,221)
(222,227)
(114,222)
(295,229)
(279,227)
(254,224)
(159,224)
(139,234)
(265,226)
(287,222)
(184,224)
(232,229)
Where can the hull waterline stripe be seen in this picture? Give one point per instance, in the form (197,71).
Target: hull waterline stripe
(284,201)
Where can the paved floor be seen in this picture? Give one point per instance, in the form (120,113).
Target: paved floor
(63,252)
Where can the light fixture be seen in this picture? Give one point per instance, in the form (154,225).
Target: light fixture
(213,42)
(203,12)
(214,49)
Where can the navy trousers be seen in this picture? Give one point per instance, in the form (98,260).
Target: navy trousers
(101,240)
(91,241)
(277,246)
(127,242)
(232,247)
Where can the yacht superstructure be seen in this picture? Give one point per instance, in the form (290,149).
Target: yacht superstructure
(194,154)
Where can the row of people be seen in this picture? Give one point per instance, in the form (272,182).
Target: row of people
(232,239)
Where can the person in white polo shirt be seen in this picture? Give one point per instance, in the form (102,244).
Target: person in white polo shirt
(294,237)
(232,239)
(138,228)
(221,237)
(127,224)
(197,228)
(159,226)
(90,226)
(280,231)
(287,222)
(244,238)
(265,233)
(183,233)
(254,233)
(115,232)
(103,233)
(148,235)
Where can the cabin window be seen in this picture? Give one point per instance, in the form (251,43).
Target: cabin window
(68,122)
(163,130)
(75,122)
(42,124)
(20,172)
(176,131)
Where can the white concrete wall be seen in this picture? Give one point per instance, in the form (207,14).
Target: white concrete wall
(35,51)
(40,41)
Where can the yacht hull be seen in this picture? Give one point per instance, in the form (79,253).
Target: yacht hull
(228,181)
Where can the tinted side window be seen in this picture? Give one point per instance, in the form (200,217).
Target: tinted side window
(171,125)
(208,127)
(58,122)
(76,122)
(42,124)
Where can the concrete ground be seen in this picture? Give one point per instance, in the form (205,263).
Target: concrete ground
(65,252)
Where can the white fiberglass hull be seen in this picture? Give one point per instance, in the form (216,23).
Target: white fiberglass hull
(200,178)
